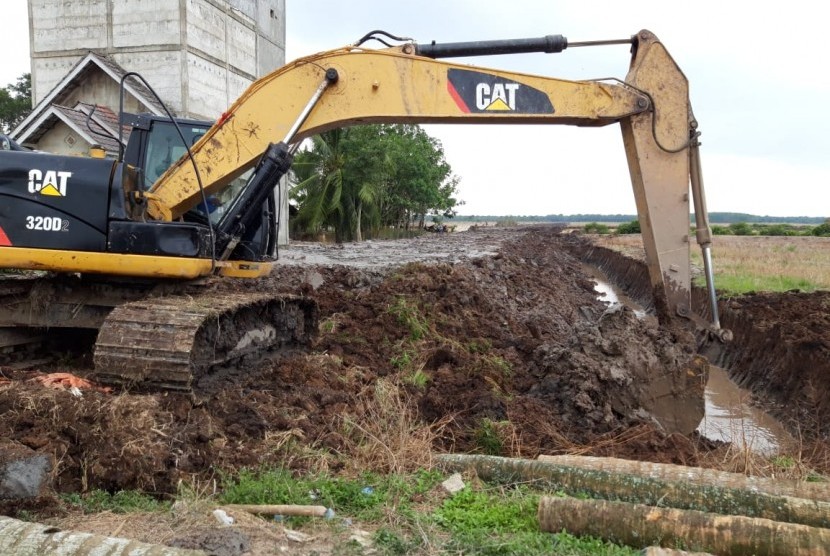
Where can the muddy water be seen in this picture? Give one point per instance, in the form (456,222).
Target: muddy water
(610,293)
(729,416)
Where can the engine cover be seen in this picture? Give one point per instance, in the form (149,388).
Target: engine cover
(54,202)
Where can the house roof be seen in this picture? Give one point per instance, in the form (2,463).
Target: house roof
(93,124)
(72,80)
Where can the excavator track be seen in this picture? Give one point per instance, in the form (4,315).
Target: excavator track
(171,342)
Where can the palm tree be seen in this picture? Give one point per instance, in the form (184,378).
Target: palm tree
(319,175)
(364,177)
(339,181)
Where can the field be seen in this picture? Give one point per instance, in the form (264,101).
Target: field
(490,341)
(754,263)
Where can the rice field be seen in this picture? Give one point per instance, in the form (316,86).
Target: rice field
(754,263)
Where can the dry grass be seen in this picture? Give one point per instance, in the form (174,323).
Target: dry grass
(384,434)
(754,263)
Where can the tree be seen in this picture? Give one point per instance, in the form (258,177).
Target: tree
(632,227)
(15,102)
(359,179)
(422,180)
(822,230)
(319,175)
(740,229)
(338,181)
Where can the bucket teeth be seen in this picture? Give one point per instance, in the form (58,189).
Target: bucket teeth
(169,343)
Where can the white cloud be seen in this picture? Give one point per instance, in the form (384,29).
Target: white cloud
(756,72)
(15,41)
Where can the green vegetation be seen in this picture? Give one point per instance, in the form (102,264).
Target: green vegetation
(402,361)
(410,316)
(488,437)
(597,228)
(358,498)
(123,501)
(632,227)
(743,265)
(503,521)
(747,229)
(731,284)
(361,180)
(410,514)
(419,378)
(822,230)
(714,218)
(15,102)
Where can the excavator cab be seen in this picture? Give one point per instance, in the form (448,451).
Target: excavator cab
(155,144)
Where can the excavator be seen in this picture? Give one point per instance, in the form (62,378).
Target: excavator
(132,255)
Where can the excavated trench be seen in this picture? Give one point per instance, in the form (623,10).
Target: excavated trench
(779,359)
(730,415)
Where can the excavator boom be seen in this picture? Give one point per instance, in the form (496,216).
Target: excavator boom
(379,86)
(403,85)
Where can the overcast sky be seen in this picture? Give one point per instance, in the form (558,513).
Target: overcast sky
(757,72)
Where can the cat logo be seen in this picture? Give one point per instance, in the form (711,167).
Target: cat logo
(476,92)
(50,183)
(500,97)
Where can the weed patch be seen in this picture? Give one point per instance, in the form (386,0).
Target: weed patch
(504,521)
(408,315)
(121,502)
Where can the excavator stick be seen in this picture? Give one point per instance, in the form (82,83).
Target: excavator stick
(657,148)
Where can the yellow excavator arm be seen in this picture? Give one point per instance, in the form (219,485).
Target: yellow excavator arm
(403,84)
(378,86)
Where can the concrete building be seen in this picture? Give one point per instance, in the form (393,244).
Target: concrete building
(198,55)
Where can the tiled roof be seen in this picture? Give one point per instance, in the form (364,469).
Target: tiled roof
(144,93)
(97,132)
(70,82)
(105,117)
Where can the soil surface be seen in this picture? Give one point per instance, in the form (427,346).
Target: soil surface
(496,334)
(491,340)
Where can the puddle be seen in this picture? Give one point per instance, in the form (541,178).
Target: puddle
(729,416)
(611,294)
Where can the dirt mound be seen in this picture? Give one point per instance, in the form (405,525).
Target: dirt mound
(509,353)
(781,352)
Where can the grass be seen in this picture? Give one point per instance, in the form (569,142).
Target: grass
(775,264)
(489,437)
(408,314)
(410,514)
(123,501)
(745,264)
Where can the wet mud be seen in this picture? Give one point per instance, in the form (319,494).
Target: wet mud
(496,334)
(781,347)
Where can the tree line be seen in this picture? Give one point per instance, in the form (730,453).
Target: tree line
(357,181)
(734,229)
(714,218)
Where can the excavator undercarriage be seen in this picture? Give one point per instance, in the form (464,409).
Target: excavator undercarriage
(153,336)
